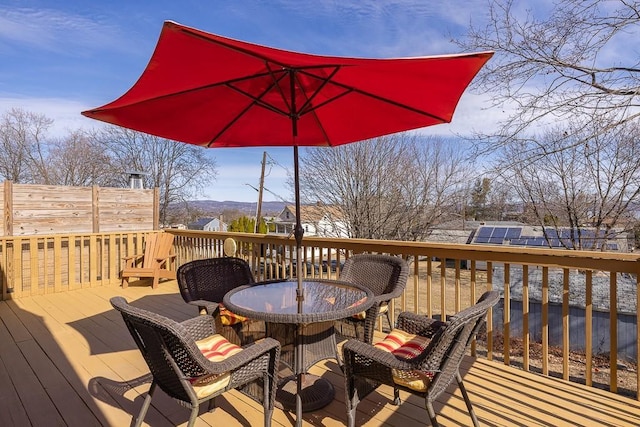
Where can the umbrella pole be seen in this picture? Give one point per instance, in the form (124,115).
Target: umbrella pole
(298,233)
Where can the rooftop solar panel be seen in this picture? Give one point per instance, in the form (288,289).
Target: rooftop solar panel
(499,232)
(557,238)
(513,233)
(485,231)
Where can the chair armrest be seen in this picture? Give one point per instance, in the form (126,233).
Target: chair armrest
(209,306)
(164,258)
(389,296)
(419,324)
(132,260)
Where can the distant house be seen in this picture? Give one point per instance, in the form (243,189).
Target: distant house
(208,224)
(316,220)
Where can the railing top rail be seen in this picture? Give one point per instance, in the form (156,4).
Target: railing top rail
(593,260)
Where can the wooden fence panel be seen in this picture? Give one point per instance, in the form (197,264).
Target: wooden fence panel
(44,209)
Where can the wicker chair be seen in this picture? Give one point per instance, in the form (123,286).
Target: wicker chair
(423,358)
(204,282)
(192,364)
(386,276)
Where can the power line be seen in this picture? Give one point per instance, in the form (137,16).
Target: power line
(275,162)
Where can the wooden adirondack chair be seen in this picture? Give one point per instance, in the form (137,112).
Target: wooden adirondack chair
(155,262)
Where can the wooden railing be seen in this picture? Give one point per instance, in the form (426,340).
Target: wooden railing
(34,265)
(445,278)
(448,277)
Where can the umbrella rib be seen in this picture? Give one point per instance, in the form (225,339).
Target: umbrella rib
(325,80)
(258,99)
(392,102)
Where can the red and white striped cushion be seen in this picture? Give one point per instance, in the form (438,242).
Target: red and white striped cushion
(215,348)
(407,346)
(228,318)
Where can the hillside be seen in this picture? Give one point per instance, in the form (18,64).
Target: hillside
(214,207)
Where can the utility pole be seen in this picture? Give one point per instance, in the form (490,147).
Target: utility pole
(260,188)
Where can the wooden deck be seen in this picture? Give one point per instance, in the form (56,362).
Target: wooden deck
(67,359)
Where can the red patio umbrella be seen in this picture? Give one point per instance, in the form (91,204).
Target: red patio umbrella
(209,90)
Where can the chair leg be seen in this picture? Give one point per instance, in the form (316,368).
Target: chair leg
(351,409)
(193,417)
(396,397)
(352,399)
(389,320)
(432,414)
(145,405)
(267,404)
(463,390)
(212,405)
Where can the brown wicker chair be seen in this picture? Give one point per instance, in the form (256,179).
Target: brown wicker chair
(175,353)
(426,372)
(386,276)
(204,282)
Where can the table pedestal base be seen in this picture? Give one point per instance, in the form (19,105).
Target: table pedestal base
(316,393)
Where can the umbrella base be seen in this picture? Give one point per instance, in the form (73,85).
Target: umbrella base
(316,393)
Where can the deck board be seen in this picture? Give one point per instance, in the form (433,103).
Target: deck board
(68,359)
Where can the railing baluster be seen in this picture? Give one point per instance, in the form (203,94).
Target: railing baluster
(613,332)
(545,320)
(525,317)
(506,314)
(565,324)
(588,318)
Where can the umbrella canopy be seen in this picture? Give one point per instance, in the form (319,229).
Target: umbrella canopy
(209,90)
(213,91)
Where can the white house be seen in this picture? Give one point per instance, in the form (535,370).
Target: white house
(316,220)
(208,224)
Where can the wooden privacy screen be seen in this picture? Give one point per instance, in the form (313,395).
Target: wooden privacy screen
(46,209)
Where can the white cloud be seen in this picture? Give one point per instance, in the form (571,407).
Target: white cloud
(64,112)
(474,114)
(57,31)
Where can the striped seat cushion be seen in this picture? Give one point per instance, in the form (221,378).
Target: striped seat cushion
(215,348)
(407,346)
(228,318)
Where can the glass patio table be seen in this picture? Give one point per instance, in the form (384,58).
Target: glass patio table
(305,330)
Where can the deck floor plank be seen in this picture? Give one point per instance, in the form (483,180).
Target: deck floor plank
(68,359)
(31,393)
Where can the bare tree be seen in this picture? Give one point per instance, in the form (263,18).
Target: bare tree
(23,148)
(393,187)
(78,160)
(585,184)
(179,170)
(571,62)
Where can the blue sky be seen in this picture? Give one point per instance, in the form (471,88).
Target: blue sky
(59,58)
